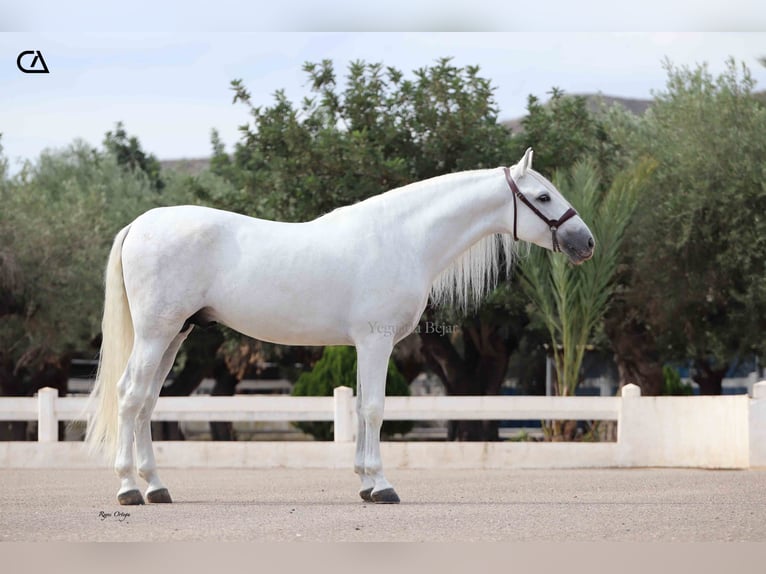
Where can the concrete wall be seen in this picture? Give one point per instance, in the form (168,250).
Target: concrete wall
(707,432)
(757,426)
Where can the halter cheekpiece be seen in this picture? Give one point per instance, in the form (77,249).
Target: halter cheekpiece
(553,224)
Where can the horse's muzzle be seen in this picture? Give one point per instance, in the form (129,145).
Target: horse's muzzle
(577,246)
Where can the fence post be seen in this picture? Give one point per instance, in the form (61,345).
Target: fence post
(47,422)
(757,426)
(629,444)
(344,414)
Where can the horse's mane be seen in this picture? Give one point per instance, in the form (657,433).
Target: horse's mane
(475,272)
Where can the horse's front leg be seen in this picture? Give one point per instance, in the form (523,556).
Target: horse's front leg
(372,366)
(367,482)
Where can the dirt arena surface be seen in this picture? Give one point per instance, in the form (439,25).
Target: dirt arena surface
(645,505)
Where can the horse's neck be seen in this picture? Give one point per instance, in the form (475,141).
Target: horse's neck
(448,215)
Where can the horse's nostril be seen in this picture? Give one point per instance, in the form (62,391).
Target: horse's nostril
(591,243)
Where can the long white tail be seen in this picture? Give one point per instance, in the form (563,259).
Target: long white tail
(116,346)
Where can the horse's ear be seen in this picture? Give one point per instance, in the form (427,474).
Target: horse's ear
(525,162)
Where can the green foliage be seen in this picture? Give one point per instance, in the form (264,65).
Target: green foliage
(336,368)
(205,188)
(562,129)
(342,145)
(58,219)
(562,132)
(569,300)
(673,385)
(128,152)
(3,162)
(701,220)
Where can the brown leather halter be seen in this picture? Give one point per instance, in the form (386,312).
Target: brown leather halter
(553,224)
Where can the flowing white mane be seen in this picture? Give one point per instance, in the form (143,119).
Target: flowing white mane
(474,274)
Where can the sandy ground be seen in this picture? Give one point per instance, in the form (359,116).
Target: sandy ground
(322,505)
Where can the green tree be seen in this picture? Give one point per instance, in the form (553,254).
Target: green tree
(58,219)
(3,162)
(336,368)
(10,302)
(698,245)
(341,146)
(572,301)
(128,152)
(561,130)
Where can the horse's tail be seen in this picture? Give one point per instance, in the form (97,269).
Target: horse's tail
(116,346)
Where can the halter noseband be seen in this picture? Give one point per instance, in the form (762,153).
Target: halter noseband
(553,224)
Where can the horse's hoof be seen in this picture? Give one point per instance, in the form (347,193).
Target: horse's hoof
(366,494)
(161,495)
(385,496)
(130,498)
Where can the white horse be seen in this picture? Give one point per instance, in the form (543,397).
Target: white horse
(323,282)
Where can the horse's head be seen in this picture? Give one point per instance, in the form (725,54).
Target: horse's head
(542,216)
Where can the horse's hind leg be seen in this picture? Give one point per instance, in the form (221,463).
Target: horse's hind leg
(147,466)
(133,391)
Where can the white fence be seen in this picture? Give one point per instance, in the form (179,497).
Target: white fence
(710,432)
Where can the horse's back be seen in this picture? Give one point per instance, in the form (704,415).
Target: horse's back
(194,231)
(187,220)
(260,277)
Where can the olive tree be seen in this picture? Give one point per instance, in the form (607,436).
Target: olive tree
(699,250)
(59,216)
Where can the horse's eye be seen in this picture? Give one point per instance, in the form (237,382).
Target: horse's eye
(544,198)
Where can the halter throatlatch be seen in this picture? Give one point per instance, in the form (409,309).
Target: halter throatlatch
(553,224)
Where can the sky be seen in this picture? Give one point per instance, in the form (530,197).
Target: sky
(171,88)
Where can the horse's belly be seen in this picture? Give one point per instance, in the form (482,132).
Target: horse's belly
(285,321)
(320,313)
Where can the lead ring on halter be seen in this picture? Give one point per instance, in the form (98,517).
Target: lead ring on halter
(553,224)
